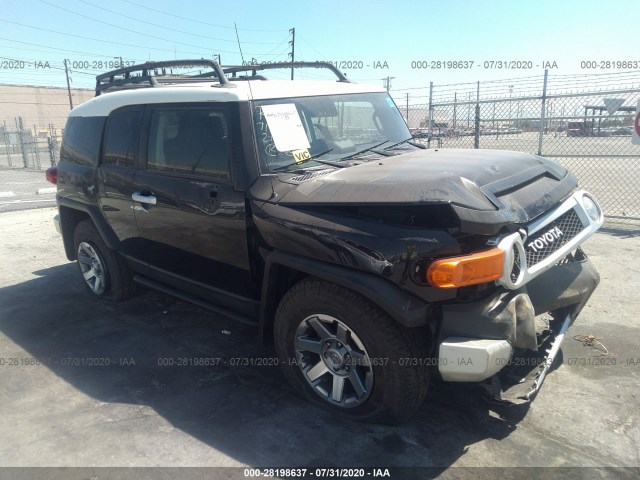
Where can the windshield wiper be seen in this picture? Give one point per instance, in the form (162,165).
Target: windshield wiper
(312,157)
(409,141)
(363,151)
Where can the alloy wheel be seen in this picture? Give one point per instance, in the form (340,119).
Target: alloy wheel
(92,268)
(333,361)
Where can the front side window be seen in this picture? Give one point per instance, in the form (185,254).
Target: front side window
(189,140)
(331,127)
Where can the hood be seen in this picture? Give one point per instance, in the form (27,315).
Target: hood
(486,188)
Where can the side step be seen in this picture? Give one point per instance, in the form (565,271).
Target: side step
(195,300)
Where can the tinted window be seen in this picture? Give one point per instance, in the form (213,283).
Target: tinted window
(189,140)
(81,141)
(121,139)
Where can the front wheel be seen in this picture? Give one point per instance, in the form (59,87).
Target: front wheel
(346,354)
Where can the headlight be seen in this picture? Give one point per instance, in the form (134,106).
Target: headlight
(591,207)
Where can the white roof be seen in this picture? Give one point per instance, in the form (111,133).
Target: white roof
(212,92)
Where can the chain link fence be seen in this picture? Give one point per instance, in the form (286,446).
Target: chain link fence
(25,154)
(585,123)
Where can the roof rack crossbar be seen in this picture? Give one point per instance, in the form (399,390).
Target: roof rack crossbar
(129,81)
(270,66)
(108,80)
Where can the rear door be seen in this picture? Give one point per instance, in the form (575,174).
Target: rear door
(120,151)
(191,221)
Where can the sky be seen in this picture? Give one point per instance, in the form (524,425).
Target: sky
(416,42)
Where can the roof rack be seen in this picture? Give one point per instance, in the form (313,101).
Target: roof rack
(271,66)
(147,73)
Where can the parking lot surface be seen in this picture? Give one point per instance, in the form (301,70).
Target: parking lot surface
(89,383)
(22,189)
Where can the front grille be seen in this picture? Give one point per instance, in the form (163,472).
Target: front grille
(568,223)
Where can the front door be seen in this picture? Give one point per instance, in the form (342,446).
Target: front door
(191,221)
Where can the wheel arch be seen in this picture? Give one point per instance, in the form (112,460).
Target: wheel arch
(72,213)
(282,270)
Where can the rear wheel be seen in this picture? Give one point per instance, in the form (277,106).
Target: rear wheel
(346,354)
(104,272)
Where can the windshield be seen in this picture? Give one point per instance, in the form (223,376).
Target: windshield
(301,132)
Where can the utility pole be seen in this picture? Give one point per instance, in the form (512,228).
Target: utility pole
(66,72)
(293,48)
(386,82)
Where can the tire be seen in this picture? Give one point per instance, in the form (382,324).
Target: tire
(104,272)
(389,360)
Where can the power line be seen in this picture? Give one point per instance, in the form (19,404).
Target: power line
(169,28)
(122,28)
(322,55)
(87,53)
(90,38)
(201,22)
(109,41)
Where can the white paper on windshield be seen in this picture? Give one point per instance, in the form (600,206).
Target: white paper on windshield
(286,127)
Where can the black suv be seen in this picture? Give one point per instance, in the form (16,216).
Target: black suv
(305,208)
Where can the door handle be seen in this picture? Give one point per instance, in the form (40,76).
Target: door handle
(139,197)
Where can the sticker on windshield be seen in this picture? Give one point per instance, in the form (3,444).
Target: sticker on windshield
(390,102)
(286,127)
(301,155)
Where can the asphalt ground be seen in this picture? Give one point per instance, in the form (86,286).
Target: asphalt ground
(22,189)
(85,383)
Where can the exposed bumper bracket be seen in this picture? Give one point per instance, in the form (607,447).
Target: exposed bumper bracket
(526,388)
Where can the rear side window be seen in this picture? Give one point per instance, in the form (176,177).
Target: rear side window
(121,138)
(81,141)
(189,140)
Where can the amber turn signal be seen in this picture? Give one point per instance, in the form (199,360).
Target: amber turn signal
(455,272)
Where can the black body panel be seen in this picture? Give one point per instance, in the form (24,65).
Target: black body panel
(115,185)
(481,185)
(403,307)
(388,251)
(197,229)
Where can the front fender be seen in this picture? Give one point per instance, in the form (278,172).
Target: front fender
(403,307)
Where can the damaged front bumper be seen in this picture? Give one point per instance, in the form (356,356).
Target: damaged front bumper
(482,341)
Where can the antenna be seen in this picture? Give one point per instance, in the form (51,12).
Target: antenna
(239,46)
(273,191)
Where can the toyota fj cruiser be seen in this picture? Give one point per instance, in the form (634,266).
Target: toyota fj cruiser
(305,208)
